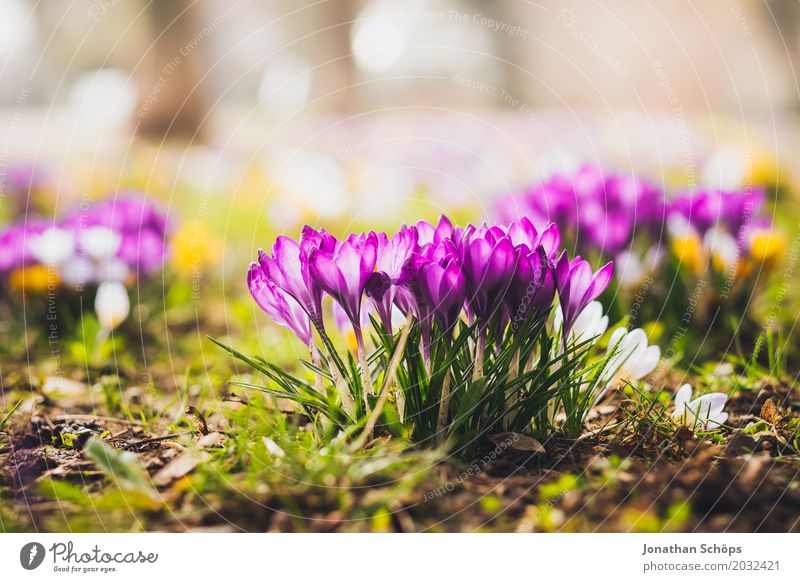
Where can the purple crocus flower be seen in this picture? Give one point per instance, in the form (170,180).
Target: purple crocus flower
(488,263)
(288,268)
(143,251)
(282,308)
(344,273)
(392,255)
(533,286)
(124,212)
(427,233)
(578,286)
(443,288)
(611,208)
(523,232)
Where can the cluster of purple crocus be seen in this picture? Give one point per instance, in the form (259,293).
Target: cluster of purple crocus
(491,276)
(628,218)
(140,224)
(112,239)
(734,212)
(600,210)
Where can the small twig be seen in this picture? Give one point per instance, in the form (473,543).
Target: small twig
(444,402)
(598,431)
(480,347)
(384,393)
(156,439)
(89,418)
(198,416)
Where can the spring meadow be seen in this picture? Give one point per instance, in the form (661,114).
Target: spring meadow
(399,267)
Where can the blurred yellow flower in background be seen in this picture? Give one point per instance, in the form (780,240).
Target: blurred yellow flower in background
(194,248)
(690,252)
(766,245)
(34,278)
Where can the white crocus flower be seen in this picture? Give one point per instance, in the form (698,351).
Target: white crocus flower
(100,243)
(722,247)
(704,411)
(630,269)
(631,358)
(590,324)
(111,304)
(54,246)
(97,261)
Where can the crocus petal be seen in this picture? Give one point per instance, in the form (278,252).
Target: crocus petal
(682,396)
(642,365)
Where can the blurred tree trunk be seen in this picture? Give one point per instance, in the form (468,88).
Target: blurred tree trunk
(172,100)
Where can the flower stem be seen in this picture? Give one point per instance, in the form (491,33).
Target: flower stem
(102,336)
(317,361)
(513,397)
(444,403)
(367,388)
(338,370)
(480,347)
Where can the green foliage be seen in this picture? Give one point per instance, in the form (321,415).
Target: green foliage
(123,468)
(4,420)
(454,387)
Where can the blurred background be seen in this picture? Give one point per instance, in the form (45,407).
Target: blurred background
(318,110)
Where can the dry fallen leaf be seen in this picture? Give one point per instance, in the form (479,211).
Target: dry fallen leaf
(55,387)
(179,466)
(211,440)
(769,412)
(517,442)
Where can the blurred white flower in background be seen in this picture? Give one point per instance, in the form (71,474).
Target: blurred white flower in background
(111,304)
(631,269)
(96,260)
(53,247)
(100,242)
(722,249)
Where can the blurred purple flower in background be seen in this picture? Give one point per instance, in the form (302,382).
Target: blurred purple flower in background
(707,209)
(108,240)
(15,251)
(601,211)
(140,225)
